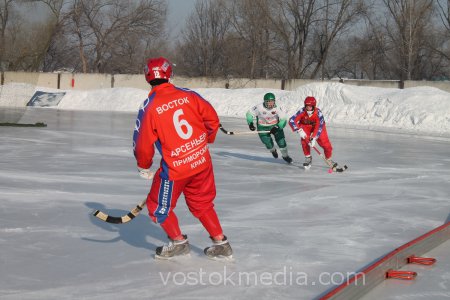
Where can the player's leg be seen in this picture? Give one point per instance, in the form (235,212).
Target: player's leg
(200,193)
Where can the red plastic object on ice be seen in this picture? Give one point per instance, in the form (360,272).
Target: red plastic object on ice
(406,275)
(421,260)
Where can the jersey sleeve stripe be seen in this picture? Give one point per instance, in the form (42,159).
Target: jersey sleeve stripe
(139,119)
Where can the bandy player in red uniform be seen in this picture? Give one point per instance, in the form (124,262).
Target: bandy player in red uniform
(310,124)
(180,123)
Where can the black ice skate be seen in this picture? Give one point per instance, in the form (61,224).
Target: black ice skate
(274,153)
(219,250)
(308,161)
(287,159)
(174,248)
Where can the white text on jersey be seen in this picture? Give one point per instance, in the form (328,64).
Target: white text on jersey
(172,104)
(192,158)
(192,144)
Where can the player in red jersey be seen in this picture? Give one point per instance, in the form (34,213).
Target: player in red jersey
(180,123)
(310,124)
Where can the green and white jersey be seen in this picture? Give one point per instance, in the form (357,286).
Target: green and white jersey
(267,117)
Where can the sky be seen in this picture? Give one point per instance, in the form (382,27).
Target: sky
(295,231)
(178,12)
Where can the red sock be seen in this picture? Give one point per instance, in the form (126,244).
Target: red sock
(211,223)
(171,227)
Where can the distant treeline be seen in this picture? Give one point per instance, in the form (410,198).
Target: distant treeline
(272,39)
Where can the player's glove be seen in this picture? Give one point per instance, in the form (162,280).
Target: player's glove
(312,142)
(274,130)
(145,173)
(301,133)
(251,127)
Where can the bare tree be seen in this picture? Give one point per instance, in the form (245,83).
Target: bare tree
(53,31)
(5,11)
(103,28)
(269,37)
(92,36)
(204,40)
(407,29)
(76,26)
(20,39)
(253,35)
(444,15)
(334,17)
(290,22)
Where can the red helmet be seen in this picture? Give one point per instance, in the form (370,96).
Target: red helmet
(157,68)
(310,101)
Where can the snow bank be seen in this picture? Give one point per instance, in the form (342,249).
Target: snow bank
(419,109)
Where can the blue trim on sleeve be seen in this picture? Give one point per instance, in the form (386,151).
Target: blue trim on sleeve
(140,117)
(321,122)
(292,120)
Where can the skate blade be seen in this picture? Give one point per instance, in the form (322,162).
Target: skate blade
(221,258)
(159,257)
(307,167)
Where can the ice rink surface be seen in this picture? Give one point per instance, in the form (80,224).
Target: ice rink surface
(295,233)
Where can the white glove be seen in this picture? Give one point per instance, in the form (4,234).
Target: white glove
(312,143)
(145,173)
(302,133)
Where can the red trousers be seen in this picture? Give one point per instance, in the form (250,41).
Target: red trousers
(323,141)
(199,191)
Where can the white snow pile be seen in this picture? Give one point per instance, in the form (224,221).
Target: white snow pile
(16,94)
(420,109)
(115,99)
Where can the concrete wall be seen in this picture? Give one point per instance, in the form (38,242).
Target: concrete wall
(130,80)
(138,81)
(293,84)
(442,85)
(232,83)
(199,82)
(67,81)
(374,83)
(85,81)
(49,80)
(21,77)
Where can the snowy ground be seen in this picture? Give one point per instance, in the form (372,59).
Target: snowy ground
(294,232)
